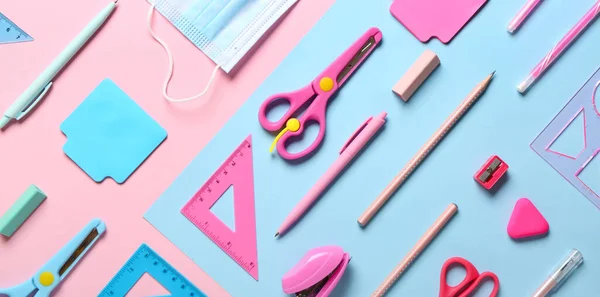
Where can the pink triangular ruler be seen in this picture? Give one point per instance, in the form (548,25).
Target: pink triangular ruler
(236,171)
(526,221)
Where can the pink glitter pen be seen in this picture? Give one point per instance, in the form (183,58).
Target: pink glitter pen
(525,11)
(564,43)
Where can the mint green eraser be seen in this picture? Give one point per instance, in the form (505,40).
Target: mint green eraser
(16,215)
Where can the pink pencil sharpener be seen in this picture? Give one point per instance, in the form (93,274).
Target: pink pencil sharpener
(491,172)
(317,273)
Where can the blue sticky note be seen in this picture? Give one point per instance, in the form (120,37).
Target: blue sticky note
(109,135)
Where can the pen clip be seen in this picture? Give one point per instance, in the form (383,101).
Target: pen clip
(34,102)
(355,134)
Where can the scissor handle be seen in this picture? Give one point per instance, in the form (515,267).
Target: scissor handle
(296,99)
(24,289)
(475,285)
(456,291)
(304,120)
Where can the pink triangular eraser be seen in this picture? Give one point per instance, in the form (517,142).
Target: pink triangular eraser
(526,221)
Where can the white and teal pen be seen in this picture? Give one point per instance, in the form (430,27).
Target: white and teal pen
(36,91)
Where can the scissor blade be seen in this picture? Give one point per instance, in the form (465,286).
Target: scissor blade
(87,241)
(357,58)
(32,294)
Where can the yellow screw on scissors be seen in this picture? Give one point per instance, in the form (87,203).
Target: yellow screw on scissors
(50,276)
(291,125)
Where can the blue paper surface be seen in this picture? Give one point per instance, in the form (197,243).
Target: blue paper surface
(109,135)
(502,122)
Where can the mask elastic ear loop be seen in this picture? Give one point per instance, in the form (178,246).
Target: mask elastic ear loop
(170,72)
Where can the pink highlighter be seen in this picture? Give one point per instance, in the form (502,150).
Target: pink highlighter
(317,273)
(522,15)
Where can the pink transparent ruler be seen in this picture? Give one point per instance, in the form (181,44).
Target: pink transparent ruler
(237,172)
(576,166)
(442,19)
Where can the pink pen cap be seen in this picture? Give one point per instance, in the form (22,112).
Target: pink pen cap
(369,131)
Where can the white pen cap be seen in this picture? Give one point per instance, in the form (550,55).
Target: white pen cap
(3,121)
(566,267)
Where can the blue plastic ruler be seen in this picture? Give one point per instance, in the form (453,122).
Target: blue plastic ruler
(10,32)
(145,260)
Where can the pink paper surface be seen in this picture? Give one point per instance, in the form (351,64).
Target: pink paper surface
(147,286)
(31,151)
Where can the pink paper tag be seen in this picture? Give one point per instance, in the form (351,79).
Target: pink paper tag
(435,18)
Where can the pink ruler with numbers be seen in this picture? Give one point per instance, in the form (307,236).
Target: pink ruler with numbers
(236,172)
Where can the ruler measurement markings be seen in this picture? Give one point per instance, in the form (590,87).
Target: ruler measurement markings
(10,32)
(195,210)
(147,261)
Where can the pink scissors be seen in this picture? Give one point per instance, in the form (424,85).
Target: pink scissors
(471,282)
(321,89)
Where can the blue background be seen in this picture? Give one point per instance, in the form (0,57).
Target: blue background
(503,122)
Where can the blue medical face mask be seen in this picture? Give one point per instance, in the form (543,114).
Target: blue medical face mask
(225,30)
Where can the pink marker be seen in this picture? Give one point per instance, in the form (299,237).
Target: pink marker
(522,15)
(352,147)
(555,53)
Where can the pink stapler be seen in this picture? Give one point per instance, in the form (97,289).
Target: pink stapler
(317,273)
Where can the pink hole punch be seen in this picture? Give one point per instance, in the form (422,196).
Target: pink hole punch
(317,273)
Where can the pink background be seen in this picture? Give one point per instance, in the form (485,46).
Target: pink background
(31,151)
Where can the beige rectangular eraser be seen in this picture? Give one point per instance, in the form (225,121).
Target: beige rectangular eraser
(416,75)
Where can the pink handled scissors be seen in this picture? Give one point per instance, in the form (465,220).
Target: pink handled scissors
(320,90)
(471,282)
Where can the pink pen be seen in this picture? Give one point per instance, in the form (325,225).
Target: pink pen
(352,147)
(522,15)
(564,43)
